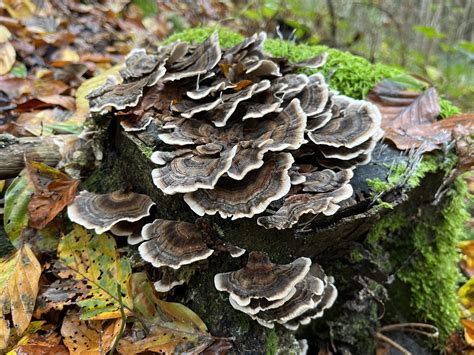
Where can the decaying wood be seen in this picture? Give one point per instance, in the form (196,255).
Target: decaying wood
(13,151)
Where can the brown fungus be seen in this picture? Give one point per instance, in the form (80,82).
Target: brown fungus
(260,278)
(102,212)
(172,244)
(225,117)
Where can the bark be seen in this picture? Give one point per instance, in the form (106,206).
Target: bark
(325,240)
(13,152)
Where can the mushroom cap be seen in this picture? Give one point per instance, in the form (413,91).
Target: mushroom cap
(360,121)
(260,278)
(138,63)
(172,244)
(326,180)
(246,197)
(293,208)
(315,95)
(191,172)
(257,305)
(301,301)
(102,212)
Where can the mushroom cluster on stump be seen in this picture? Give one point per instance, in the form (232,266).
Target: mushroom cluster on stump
(239,130)
(269,293)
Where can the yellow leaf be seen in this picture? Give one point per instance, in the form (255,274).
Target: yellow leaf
(88,337)
(172,325)
(468,330)
(20,9)
(18,290)
(93,262)
(7,57)
(466,295)
(4,34)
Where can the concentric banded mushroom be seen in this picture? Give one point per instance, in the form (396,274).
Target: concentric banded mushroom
(234,123)
(172,244)
(102,212)
(270,293)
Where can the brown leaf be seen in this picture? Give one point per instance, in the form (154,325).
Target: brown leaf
(32,349)
(88,337)
(54,190)
(67,102)
(408,117)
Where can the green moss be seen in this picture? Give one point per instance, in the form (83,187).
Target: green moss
(448,109)
(227,37)
(423,255)
(272,342)
(147,151)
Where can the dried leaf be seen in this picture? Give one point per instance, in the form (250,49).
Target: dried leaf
(174,328)
(92,261)
(54,190)
(408,117)
(34,343)
(468,330)
(67,102)
(18,290)
(88,337)
(7,57)
(17,198)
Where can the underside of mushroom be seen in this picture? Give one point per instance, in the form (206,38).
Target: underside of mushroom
(239,129)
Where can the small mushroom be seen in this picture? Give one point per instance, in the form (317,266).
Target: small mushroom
(102,211)
(172,244)
(170,278)
(260,278)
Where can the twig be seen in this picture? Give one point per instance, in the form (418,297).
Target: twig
(124,320)
(431,332)
(391,342)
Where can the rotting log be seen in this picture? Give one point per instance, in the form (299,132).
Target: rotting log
(326,240)
(13,151)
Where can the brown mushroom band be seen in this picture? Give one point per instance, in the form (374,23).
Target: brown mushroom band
(239,130)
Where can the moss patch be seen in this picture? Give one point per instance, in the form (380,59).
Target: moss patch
(423,255)
(272,342)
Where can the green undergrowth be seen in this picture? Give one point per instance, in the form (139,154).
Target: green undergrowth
(422,254)
(351,75)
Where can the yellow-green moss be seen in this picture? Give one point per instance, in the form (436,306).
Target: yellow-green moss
(272,342)
(423,255)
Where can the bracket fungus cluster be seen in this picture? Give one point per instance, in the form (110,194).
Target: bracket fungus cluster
(238,129)
(269,293)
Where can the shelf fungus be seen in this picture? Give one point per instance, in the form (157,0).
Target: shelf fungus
(269,293)
(102,212)
(234,126)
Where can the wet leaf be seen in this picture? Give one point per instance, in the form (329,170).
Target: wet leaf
(173,326)
(18,290)
(468,330)
(54,190)
(466,295)
(88,337)
(17,198)
(93,262)
(408,117)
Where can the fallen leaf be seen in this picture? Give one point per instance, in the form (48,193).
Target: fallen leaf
(17,197)
(88,337)
(55,192)
(20,9)
(18,290)
(174,328)
(466,295)
(67,102)
(7,57)
(93,262)
(468,330)
(408,117)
